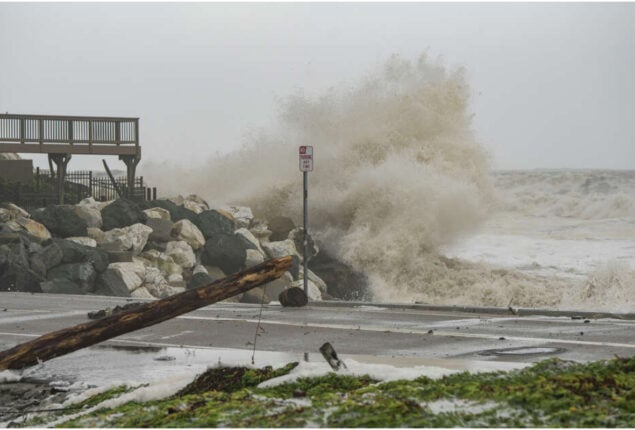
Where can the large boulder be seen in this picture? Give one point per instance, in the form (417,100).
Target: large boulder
(75,253)
(255,296)
(83,275)
(194,200)
(88,210)
(61,220)
(47,257)
(132,238)
(141,293)
(199,279)
(13,211)
(121,279)
(16,273)
(187,231)
(95,233)
(260,230)
(253,258)
(280,227)
(86,241)
(341,280)
(177,212)
(242,215)
(166,265)
(181,253)
(161,230)
(275,287)
(297,236)
(226,251)
(33,228)
(154,282)
(280,248)
(110,283)
(121,213)
(250,239)
(61,286)
(213,221)
(159,213)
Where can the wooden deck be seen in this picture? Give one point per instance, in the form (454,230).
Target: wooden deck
(47,134)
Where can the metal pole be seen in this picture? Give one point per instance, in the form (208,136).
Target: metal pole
(306,237)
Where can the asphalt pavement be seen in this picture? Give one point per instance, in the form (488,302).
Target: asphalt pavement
(395,332)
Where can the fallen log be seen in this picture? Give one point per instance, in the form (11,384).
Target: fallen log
(71,339)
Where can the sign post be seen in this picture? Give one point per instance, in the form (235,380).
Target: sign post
(306,166)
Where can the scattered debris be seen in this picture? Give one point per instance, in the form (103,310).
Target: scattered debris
(165,358)
(329,354)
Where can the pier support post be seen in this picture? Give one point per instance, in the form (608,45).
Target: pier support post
(131,162)
(60,161)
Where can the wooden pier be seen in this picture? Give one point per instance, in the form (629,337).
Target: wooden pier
(62,136)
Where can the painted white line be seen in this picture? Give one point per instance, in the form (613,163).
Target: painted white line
(424,331)
(25,318)
(20,334)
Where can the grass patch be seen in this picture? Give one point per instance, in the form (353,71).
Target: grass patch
(552,393)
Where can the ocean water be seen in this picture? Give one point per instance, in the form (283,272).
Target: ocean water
(403,191)
(573,230)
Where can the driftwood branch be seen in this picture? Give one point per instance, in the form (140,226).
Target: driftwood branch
(71,339)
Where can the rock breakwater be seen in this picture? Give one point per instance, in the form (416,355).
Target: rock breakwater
(152,249)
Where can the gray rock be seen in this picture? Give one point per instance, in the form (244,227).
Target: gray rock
(293,297)
(61,286)
(47,257)
(90,213)
(186,230)
(75,253)
(212,222)
(226,251)
(161,230)
(297,236)
(120,213)
(16,273)
(158,213)
(177,213)
(255,295)
(341,280)
(280,227)
(110,283)
(199,279)
(242,215)
(275,287)
(61,220)
(83,275)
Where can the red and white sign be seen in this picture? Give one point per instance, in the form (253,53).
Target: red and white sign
(306,158)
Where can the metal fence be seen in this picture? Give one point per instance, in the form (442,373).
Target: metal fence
(77,186)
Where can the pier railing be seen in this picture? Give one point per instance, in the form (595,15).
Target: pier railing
(69,134)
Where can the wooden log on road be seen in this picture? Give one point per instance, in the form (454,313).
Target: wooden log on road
(71,339)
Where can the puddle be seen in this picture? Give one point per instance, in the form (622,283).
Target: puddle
(521,351)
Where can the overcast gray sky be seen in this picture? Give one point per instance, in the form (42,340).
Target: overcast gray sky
(553,84)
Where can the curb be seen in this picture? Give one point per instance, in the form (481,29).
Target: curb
(520,312)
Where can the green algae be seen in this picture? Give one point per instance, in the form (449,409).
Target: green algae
(553,393)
